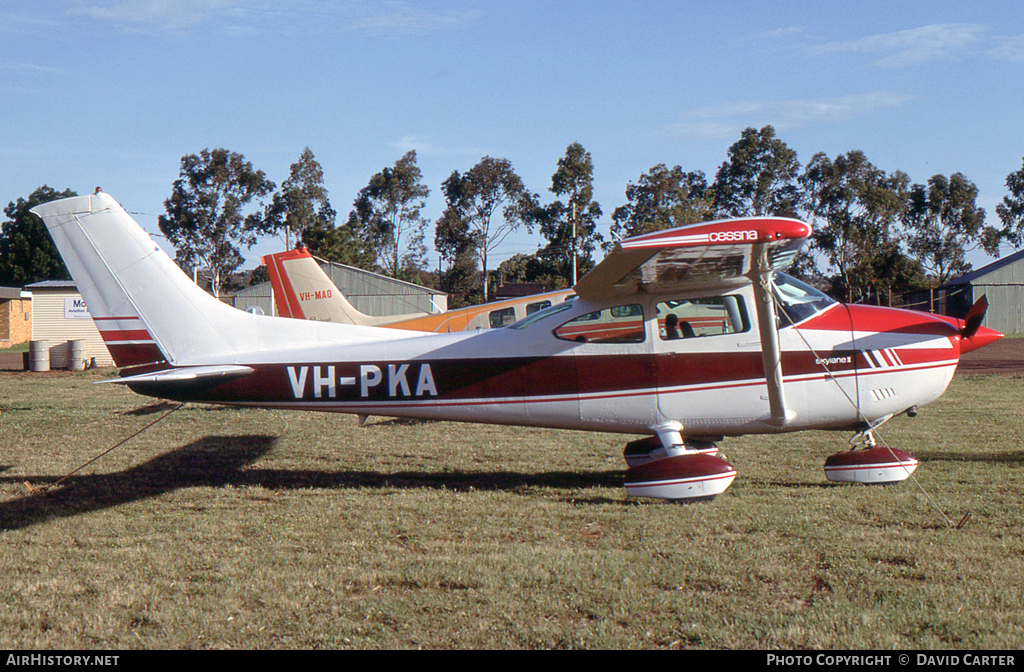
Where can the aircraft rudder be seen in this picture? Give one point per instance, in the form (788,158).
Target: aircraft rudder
(309,292)
(145,307)
(284,294)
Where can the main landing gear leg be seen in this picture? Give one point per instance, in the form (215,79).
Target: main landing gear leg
(666,466)
(867,462)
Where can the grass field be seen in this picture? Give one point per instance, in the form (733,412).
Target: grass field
(222,528)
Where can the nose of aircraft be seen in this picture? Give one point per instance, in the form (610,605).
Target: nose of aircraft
(972,334)
(968,333)
(982,337)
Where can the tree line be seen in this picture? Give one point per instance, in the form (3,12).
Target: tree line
(875,232)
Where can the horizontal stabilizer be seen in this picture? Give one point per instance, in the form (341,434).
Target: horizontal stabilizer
(181,374)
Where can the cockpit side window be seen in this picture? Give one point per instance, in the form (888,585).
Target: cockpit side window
(502,317)
(532,308)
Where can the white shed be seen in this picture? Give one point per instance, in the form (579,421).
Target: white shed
(59,315)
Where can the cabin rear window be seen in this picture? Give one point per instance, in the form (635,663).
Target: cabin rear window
(621,324)
(502,317)
(532,308)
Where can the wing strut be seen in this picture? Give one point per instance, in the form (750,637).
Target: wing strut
(760,277)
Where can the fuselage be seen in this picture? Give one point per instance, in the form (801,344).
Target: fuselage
(615,366)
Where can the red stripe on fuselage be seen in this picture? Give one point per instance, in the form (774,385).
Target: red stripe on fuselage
(134,354)
(515,379)
(125,335)
(880,320)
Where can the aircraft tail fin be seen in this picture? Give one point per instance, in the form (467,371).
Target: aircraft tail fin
(302,290)
(146,309)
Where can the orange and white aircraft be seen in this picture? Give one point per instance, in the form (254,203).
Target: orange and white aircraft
(763,353)
(302,290)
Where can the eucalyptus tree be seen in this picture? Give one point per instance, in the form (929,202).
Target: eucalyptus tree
(854,208)
(457,248)
(345,244)
(27,253)
(662,198)
(302,202)
(571,227)
(206,220)
(760,177)
(1011,209)
(389,209)
(452,237)
(302,208)
(943,222)
(491,202)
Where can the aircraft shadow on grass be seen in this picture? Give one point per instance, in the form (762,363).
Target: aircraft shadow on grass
(151,409)
(210,461)
(1008,457)
(221,460)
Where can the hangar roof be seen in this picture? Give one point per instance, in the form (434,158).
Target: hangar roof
(973,276)
(53,284)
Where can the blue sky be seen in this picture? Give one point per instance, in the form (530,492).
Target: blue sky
(113,93)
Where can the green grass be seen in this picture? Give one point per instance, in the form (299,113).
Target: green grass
(223,528)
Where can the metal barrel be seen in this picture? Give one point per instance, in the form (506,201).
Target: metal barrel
(76,355)
(39,356)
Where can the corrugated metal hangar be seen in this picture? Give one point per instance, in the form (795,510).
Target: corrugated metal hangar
(370,293)
(1001,281)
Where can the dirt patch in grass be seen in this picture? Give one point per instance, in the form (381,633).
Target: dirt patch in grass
(1005,357)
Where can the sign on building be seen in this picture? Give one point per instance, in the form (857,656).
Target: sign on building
(76,309)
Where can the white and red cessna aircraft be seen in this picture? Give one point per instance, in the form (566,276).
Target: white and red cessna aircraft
(686,336)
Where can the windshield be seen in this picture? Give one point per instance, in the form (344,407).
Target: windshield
(797,300)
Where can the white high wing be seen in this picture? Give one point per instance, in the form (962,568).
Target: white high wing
(684,336)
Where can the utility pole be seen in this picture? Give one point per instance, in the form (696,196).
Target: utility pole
(574,242)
